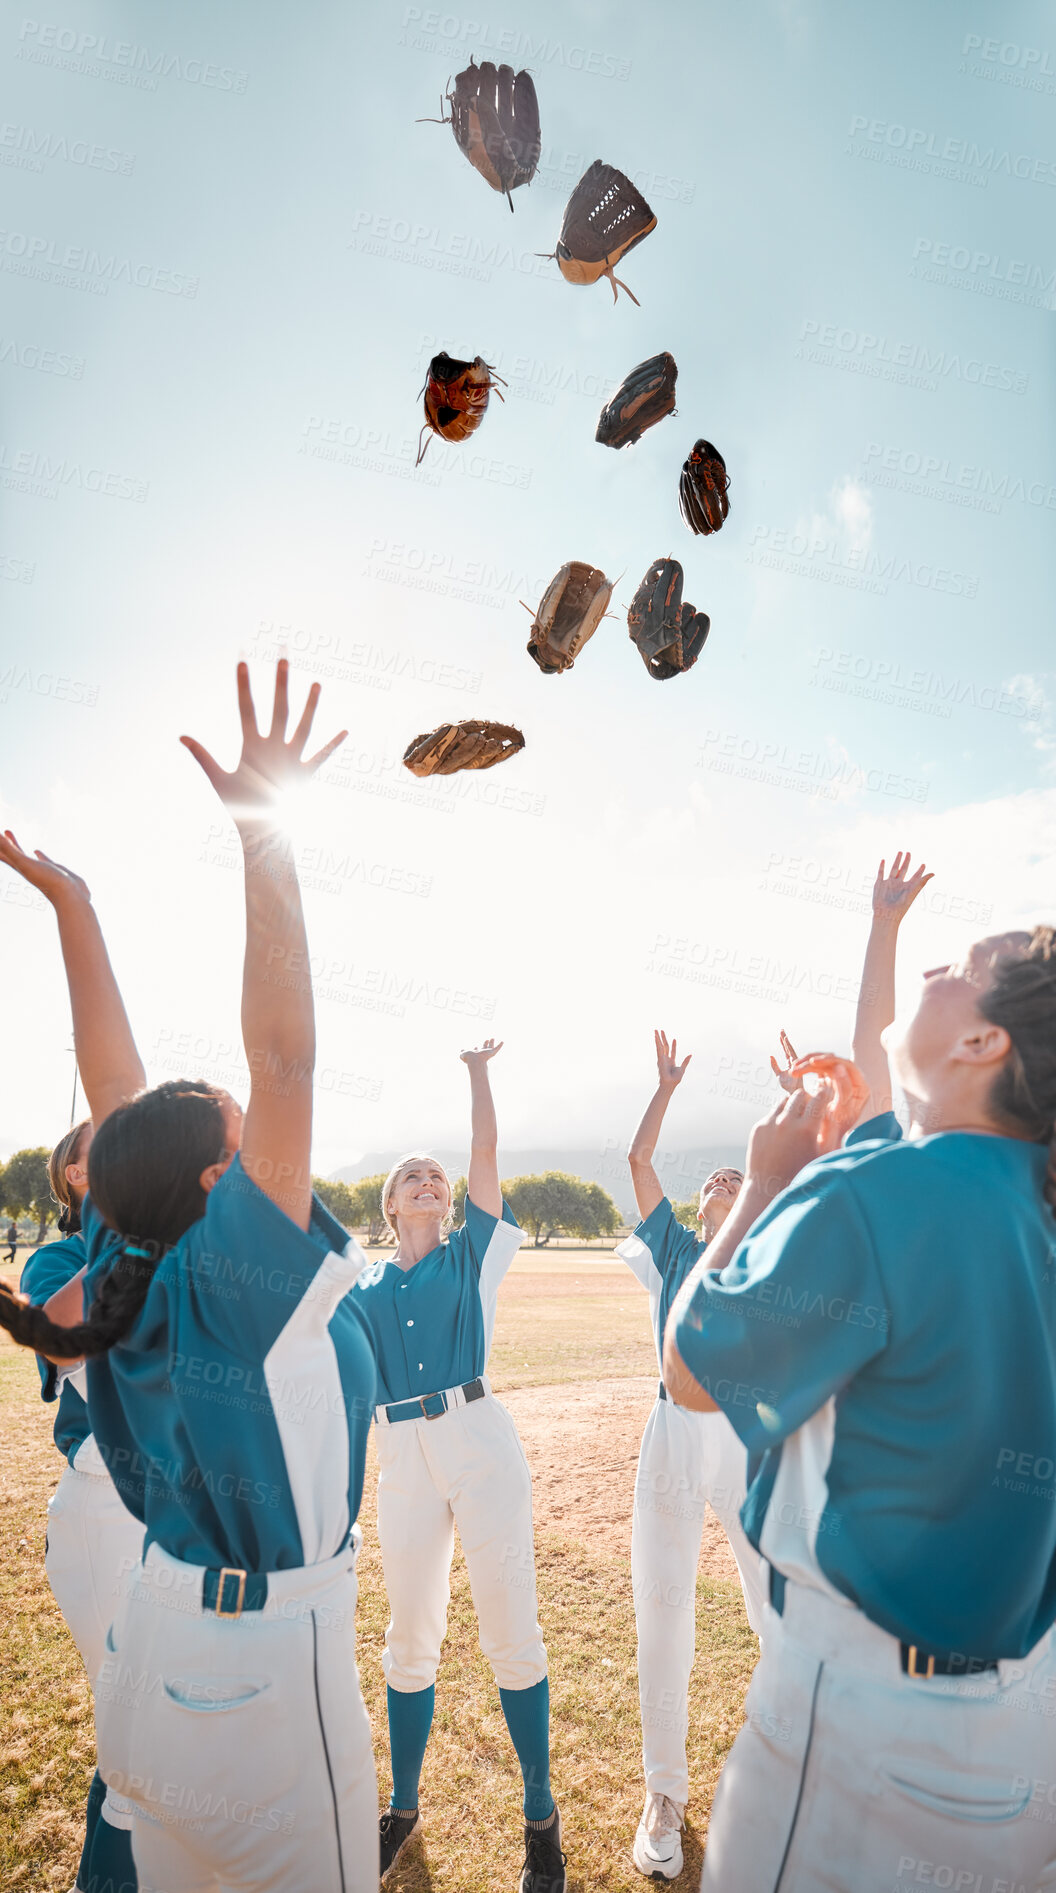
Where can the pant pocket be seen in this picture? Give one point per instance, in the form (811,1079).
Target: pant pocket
(214,1695)
(961,1797)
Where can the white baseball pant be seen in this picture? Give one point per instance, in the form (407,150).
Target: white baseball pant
(242,1744)
(688,1461)
(850,1777)
(466,1468)
(93,1545)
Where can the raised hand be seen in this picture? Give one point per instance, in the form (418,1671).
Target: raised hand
(783,1073)
(478,1055)
(669,1071)
(269,766)
(49,877)
(893,894)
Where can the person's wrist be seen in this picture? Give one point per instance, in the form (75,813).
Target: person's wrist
(884,918)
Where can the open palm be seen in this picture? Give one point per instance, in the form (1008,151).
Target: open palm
(270,765)
(49,877)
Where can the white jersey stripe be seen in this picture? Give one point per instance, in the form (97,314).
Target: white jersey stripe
(304,1380)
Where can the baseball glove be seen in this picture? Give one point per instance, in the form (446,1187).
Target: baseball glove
(669,635)
(495,119)
(456,398)
(604,218)
(568,614)
(702,489)
(644,397)
(454,746)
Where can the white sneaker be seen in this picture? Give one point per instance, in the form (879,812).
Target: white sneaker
(658,1842)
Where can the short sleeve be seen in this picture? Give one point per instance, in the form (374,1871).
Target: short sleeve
(44,1274)
(661,1244)
(491,1241)
(884,1128)
(248,1267)
(793,1317)
(239,1273)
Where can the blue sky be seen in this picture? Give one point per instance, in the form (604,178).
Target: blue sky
(228,253)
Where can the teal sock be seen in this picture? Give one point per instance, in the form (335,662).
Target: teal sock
(527,1713)
(110,1866)
(410,1720)
(96,1797)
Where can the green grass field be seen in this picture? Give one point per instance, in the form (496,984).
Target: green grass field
(471,1841)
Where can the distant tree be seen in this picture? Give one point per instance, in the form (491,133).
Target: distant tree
(26,1188)
(337,1198)
(458,1201)
(687,1213)
(365,1212)
(554,1203)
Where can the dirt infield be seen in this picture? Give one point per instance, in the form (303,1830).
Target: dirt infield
(582,1444)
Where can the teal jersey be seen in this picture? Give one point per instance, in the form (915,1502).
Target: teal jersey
(48,1270)
(888,1331)
(432,1323)
(233,1416)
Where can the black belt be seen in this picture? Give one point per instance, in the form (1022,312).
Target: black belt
(661,1392)
(922,1665)
(229,1591)
(429,1406)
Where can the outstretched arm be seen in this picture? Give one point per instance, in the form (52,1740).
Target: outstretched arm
(110,1066)
(893,896)
(278,1015)
(647,1189)
(482,1178)
(800,1127)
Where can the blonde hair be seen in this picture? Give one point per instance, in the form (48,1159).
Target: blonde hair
(416,1156)
(64,1153)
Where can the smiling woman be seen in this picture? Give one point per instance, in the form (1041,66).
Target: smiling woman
(911,1577)
(449,1455)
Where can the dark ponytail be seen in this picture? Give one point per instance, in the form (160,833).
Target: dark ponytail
(144,1166)
(1022,998)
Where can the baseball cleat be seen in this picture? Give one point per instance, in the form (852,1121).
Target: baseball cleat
(658,1842)
(394,1830)
(544,1863)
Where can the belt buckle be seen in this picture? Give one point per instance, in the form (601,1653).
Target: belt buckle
(923,1676)
(439,1414)
(231,1571)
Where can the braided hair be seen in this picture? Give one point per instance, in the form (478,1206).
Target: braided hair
(66,1152)
(144,1166)
(1022,998)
